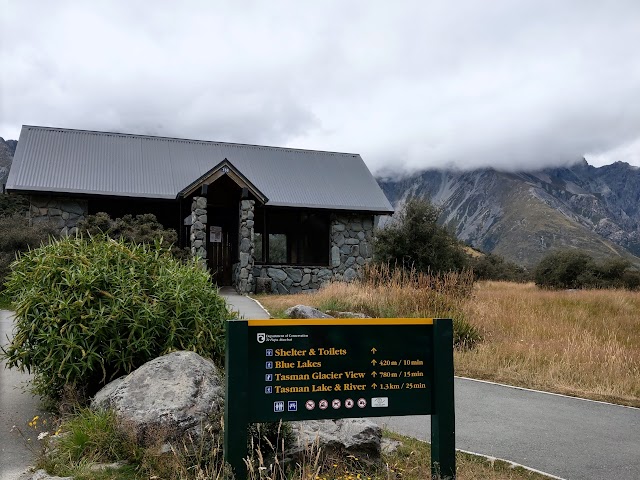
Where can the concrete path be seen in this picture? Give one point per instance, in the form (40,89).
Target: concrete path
(16,408)
(247,307)
(564,436)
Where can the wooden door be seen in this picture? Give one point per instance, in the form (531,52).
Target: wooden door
(220,255)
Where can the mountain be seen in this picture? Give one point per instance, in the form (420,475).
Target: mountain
(7,150)
(522,216)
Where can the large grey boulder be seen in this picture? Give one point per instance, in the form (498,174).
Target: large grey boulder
(167,398)
(304,311)
(359,437)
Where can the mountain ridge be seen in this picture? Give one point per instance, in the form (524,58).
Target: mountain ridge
(525,215)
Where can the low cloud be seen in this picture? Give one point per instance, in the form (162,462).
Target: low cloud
(419,85)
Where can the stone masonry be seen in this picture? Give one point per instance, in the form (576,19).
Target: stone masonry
(63,212)
(351,237)
(199,227)
(244,269)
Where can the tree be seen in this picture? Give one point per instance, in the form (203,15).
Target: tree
(564,269)
(416,240)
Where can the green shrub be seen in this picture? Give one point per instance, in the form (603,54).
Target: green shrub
(139,229)
(90,310)
(16,235)
(494,267)
(415,240)
(11,205)
(572,269)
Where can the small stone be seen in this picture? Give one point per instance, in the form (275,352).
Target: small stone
(305,279)
(244,259)
(339,240)
(288,282)
(201,202)
(200,211)
(202,219)
(197,243)
(338,227)
(360,261)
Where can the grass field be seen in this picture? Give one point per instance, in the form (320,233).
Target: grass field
(582,343)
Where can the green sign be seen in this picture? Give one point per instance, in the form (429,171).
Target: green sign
(339,368)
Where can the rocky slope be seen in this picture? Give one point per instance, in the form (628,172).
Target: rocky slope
(524,215)
(7,149)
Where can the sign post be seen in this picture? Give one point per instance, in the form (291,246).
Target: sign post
(294,370)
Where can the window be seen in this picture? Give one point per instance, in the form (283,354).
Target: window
(294,237)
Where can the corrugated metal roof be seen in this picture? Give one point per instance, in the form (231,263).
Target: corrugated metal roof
(101,163)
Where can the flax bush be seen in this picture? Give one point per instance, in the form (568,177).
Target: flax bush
(89,310)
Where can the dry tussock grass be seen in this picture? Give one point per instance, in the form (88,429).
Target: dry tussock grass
(583,343)
(384,292)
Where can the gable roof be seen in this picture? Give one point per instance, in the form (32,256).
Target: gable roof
(116,164)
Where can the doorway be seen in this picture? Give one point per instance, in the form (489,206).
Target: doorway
(223,199)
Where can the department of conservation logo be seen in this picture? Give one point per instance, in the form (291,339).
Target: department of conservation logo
(261,337)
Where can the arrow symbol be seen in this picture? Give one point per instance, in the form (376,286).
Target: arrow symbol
(373,374)
(374,385)
(374,350)
(373,362)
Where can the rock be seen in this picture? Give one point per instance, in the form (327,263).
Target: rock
(245,245)
(305,279)
(350,274)
(277,274)
(263,285)
(166,398)
(350,436)
(201,202)
(294,274)
(348,314)
(335,256)
(304,311)
(389,446)
(42,475)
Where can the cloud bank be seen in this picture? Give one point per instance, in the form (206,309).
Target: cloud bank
(418,85)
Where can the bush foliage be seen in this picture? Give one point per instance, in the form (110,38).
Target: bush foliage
(494,267)
(573,269)
(91,310)
(16,235)
(415,240)
(139,229)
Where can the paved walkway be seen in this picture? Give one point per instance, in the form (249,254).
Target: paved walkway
(564,436)
(247,307)
(16,408)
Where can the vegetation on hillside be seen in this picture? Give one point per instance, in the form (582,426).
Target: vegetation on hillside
(91,310)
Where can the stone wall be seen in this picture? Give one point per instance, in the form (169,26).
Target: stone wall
(243,271)
(63,212)
(198,229)
(351,237)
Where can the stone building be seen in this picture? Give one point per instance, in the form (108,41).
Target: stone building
(262,218)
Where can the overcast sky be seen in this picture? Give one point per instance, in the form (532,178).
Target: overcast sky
(408,85)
